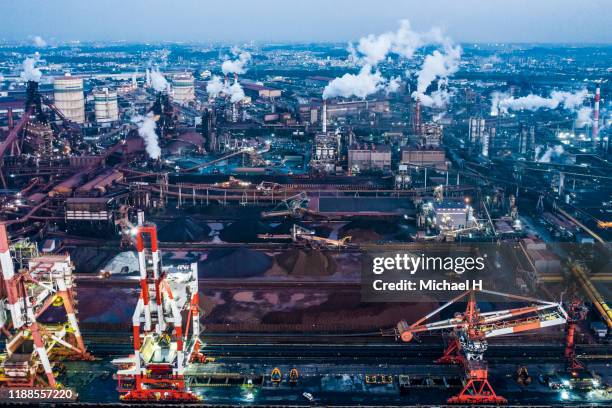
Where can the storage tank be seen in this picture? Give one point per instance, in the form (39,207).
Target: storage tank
(69,98)
(105,105)
(183,88)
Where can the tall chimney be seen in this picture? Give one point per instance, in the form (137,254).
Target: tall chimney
(324,118)
(417,116)
(9,113)
(596,118)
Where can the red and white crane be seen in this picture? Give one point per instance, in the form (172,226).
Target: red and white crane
(31,346)
(470,331)
(163,346)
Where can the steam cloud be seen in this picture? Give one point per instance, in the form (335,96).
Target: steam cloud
(39,41)
(437,65)
(502,103)
(365,83)
(216,87)
(236,92)
(236,66)
(584,117)
(550,152)
(30,72)
(146,130)
(158,81)
(373,49)
(393,85)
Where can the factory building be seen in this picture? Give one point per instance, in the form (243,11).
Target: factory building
(526,143)
(424,157)
(69,98)
(260,91)
(369,157)
(431,135)
(476,129)
(324,153)
(450,215)
(183,88)
(312,112)
(105,105)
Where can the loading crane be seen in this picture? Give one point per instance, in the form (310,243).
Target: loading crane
(295,206)
(301,234)
(470,331)
(33,348)
(163,344)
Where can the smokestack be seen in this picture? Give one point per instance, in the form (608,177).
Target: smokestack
(417,116)
(226,80)
(235,78)
(596,118)
(324,118)
(9,112)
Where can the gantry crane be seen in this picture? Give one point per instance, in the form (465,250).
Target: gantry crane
(470,331)
(163,344)
(32,347)
(577,312)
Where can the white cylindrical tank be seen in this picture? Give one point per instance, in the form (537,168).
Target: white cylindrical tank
(183,88)
(105,105)
(69,98)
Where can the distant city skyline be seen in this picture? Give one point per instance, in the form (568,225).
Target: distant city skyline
(518,21)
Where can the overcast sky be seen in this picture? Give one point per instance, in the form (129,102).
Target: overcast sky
(573,21)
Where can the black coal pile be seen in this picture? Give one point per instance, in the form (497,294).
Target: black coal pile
(369,230)
(90,259)
(184,229)
(234,263)
(244,231)
(310,262)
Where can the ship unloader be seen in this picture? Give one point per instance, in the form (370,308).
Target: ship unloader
(164,345)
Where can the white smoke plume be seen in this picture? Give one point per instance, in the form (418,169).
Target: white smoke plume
(365,83)
(30,72)
(215,86)
(373,49)
(146,130)
(437,99)
(393,85)
(39,42)
(438,117)
(236,66)
(584,117)
(550,152)
(438,65)
(502,103)
(236,92)
(158,81)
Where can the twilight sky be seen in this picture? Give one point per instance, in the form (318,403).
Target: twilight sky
(573,21)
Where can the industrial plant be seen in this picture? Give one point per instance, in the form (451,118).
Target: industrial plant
(225,224)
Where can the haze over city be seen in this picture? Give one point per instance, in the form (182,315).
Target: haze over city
(566,21)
